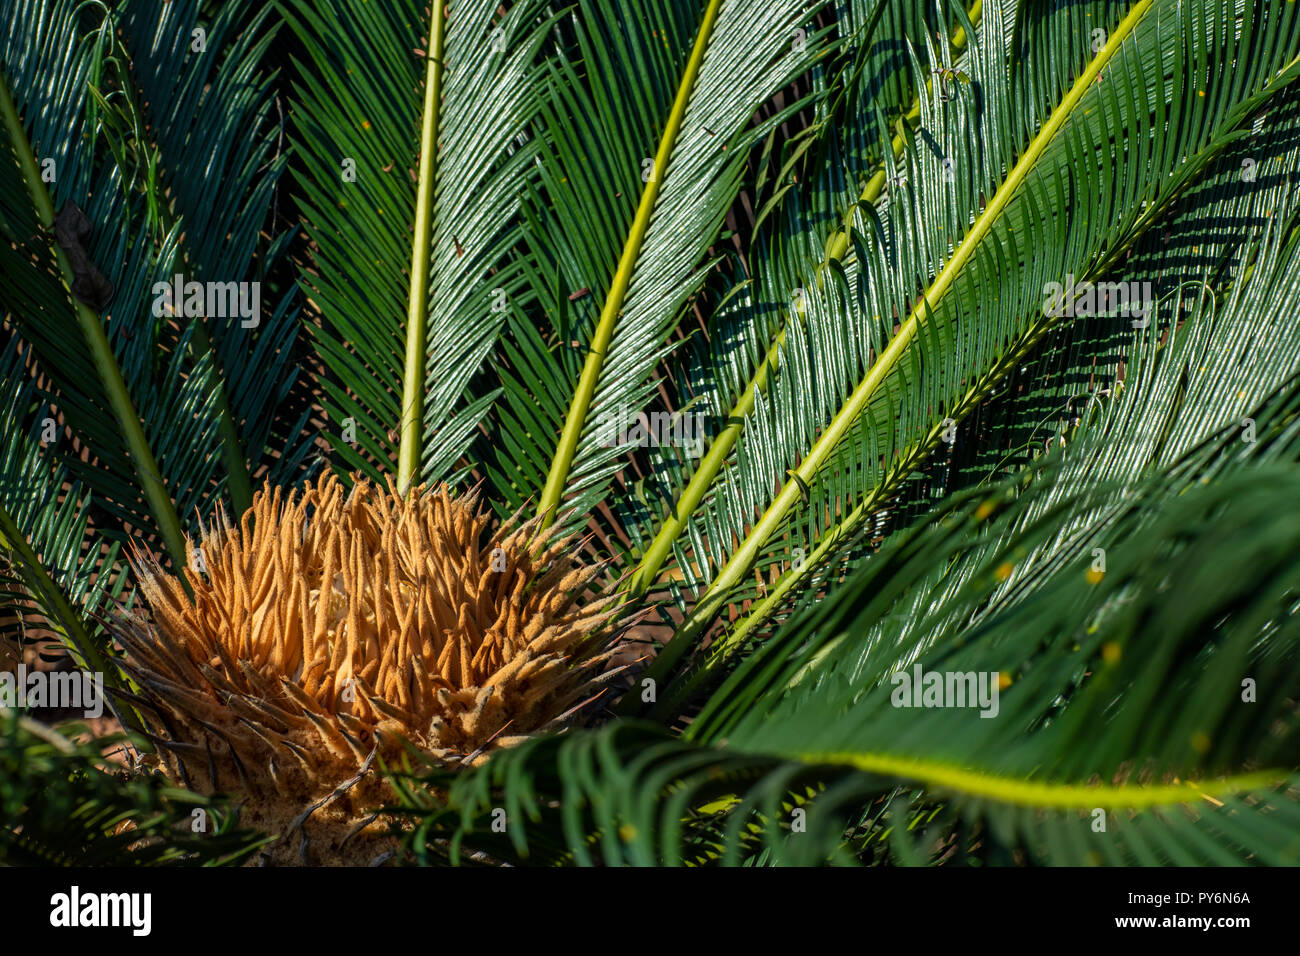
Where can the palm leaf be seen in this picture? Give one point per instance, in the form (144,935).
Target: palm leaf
(63,805)
(356,104)
(68,334)
(895,392)
(1098,690)
(63,583)
(682,152)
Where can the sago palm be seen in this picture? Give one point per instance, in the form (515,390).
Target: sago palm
(673,431)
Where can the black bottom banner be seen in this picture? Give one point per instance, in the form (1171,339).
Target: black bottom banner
(180,908)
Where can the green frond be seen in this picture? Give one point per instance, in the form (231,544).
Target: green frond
(891,395)
(219,129)
(629,205)
(63,804)
(29,205)
(1094,720)
(356,119)
(49,577)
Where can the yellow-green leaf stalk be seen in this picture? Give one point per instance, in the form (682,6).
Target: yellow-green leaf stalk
(410,452)
(731,573)
(837,247)
(562,463)
(146,466)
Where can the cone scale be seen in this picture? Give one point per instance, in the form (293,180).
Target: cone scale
(332,628)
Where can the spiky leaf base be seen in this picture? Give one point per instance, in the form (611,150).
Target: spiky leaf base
(330,627)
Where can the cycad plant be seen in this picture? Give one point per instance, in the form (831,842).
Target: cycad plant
(665,431)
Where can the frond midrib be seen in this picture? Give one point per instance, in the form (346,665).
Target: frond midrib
(1042,794)
(575,421)
(913,455)
(410,451)
(792,491)
(146,465)
(837,246)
